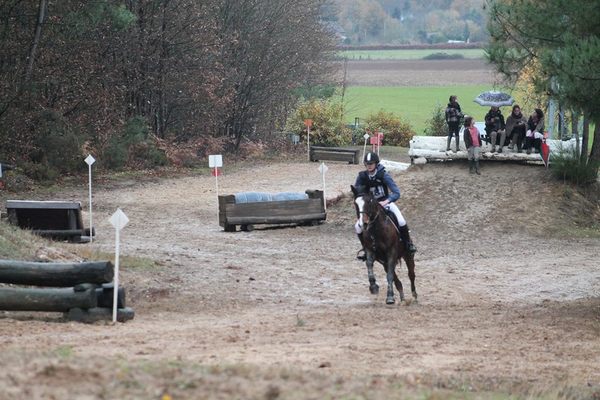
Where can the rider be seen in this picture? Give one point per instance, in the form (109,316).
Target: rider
(384,189)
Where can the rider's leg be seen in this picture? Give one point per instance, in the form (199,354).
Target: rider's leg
(403,227)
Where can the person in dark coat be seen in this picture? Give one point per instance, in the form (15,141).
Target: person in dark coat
(535,132)
(453,118)
(494,127)
(516,126)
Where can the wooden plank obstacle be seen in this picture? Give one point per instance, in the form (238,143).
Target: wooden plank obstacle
(54,219)
(82,291)
(309,210)
(434,148)
(319,153)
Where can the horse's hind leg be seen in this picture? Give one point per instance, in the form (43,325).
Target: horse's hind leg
(410,264)
(373,286)
(391,274)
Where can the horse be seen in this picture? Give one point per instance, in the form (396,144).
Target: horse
(381,242)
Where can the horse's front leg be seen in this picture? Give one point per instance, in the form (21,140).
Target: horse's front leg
(391,273)
(373,287)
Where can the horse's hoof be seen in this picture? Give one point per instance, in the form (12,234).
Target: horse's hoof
(374,289)
(390,300)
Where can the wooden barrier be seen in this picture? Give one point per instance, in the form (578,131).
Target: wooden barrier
(434,148)
(53,219)
(55,274)
(246,215)
(318,153)
(89,299)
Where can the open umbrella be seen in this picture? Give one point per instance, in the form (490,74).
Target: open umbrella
(492,98)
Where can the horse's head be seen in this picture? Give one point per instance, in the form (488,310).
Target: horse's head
(367,207)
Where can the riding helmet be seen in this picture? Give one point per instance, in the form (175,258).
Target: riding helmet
(371,158)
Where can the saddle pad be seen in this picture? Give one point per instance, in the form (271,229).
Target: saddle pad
(255,197)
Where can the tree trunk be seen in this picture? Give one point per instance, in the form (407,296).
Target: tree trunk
(42,299)
(55,274)
(36,40)
(595,153)
(585,139)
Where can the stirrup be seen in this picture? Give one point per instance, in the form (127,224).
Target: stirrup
(361,257)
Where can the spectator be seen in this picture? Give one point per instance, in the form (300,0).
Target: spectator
(516,125)
(453,117)
(494,126)
(473,144)
(535,131)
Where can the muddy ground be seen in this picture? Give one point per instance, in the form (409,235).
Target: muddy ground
(509,300)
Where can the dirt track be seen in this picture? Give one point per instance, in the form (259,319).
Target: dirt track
(287,313)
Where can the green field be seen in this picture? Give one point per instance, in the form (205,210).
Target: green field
(413,104)
(416,54)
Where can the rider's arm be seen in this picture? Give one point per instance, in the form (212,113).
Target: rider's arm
(393,190)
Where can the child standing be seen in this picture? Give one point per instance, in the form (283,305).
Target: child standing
(473,144)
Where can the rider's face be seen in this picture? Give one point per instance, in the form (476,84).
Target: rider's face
(371,167)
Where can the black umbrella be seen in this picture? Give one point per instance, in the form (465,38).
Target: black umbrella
(492,98)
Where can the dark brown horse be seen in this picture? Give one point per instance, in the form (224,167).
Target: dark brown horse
(382,243)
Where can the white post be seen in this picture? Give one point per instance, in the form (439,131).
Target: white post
(323,168)
(89,160)
(215,161)
(366,137)
(116,278)
(118,220)
(308,140)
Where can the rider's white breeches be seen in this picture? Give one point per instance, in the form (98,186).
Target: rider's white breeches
(393,208)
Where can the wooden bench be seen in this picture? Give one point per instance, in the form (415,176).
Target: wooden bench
(310,210)
(318,153)
(53,219)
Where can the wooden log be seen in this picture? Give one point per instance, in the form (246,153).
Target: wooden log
(55,274)
(44,299)
(318,153)
(92,315)
(105,295)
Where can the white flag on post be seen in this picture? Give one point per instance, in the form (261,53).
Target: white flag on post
(323,168)
(118,220)
(216,161)
(89,160)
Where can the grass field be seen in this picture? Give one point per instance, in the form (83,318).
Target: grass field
(416,54)
(414,104)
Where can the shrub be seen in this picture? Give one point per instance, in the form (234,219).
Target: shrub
(328,127)
(566,165)
(396,131)
(134,147)
(443,56)
(436,125)
(58,146)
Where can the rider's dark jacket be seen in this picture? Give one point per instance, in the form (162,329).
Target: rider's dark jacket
(381,184)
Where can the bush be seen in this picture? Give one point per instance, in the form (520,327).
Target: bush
(39,171)
(436,125)
(443,56)
(328,127)
(58,146)
(396,131)
(134,147)
(566,165)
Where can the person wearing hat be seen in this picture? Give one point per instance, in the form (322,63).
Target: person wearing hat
(376,180)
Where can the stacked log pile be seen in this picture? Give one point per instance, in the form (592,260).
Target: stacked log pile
(82,291)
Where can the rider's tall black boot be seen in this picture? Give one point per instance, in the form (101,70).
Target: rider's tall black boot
(405,236)
(361,255)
